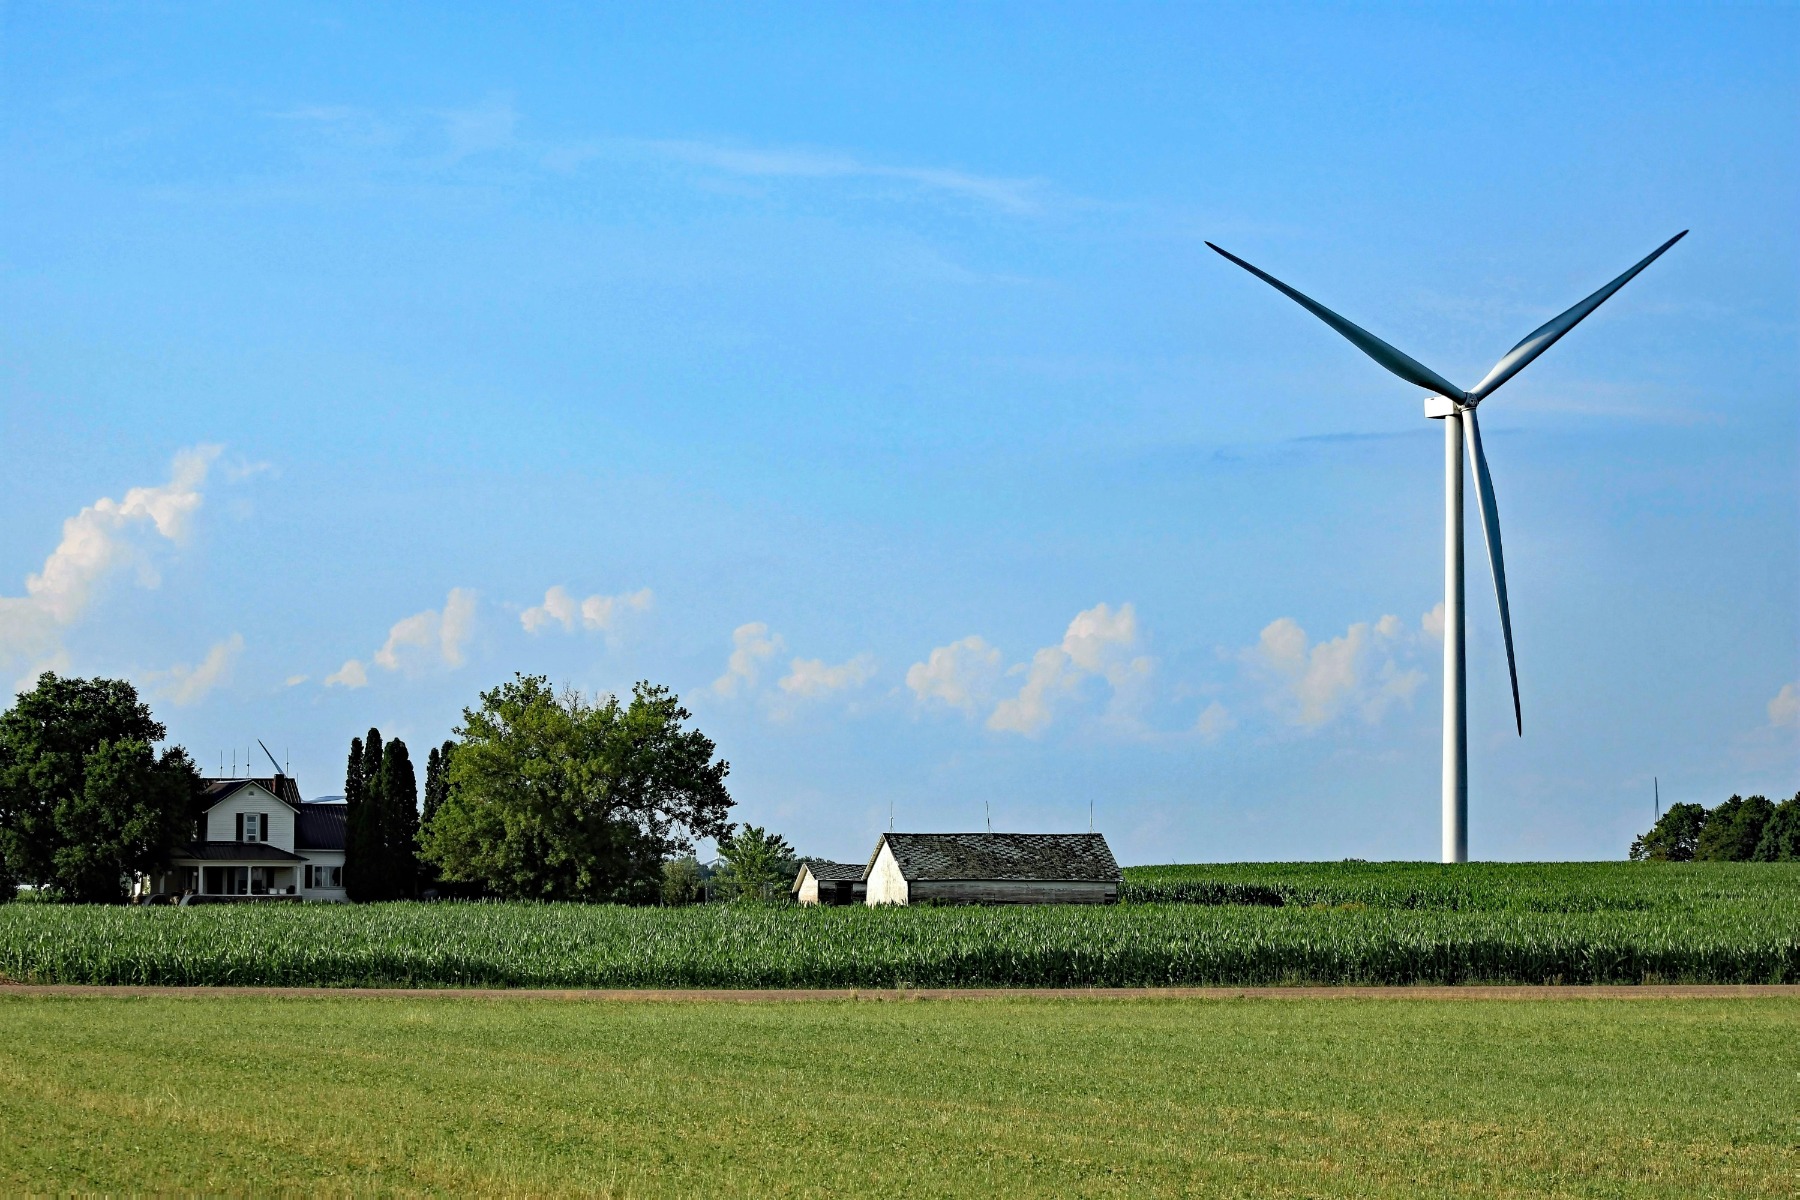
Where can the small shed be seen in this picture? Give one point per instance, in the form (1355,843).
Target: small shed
(992,868)
(829,883)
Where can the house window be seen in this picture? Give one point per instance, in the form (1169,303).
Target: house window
(324,877)
(253,827)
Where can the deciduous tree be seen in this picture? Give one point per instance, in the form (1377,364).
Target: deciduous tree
(562,798)
(85,800)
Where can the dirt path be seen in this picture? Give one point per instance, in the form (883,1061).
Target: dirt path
(1700,991)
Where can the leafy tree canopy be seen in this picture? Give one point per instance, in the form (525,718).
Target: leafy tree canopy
(1674,837)
(1780,841)
(758,865)
(558,797)
(85,800)
(1737,830)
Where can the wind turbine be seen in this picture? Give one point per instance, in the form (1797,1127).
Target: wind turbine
(1456,408)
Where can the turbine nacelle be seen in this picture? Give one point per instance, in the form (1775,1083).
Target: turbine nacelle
(1439,407)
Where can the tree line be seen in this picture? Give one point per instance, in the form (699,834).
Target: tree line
(1741,829)
(540,796)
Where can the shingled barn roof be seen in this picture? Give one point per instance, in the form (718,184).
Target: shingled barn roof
(835,872)
(1060,857)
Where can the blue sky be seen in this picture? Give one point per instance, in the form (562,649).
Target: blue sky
(863,375)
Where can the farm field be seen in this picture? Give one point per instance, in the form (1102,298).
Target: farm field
(1010,1097)
(1238,924)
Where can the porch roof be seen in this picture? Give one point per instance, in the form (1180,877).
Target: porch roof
(237,852)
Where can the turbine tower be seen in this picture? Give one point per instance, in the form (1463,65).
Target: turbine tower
(1456,408)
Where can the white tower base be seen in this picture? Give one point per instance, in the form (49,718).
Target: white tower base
(1456,725)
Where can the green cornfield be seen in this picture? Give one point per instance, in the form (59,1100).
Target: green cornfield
(1237,924)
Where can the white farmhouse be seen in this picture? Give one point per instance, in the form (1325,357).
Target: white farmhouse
(992,868)
(258,839)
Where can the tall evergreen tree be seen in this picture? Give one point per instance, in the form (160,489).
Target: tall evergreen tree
(400,823)
(437,779)
(365,868)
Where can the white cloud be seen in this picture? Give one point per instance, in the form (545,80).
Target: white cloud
(813,677)
(1010,195)
(1315,682)
(961,675)
(185,685)
(351,675)
(752,645)
(598,612)
(433,638)
(1214,722)
(1433,622)
(437,636)
(1784,709)
(99,541)
(1098,642)
(295,680)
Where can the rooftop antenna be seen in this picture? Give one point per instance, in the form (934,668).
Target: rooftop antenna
(1656,788)
(1446,402)
(890,816)
(985,808)
(272,761)
(1090,816)
(234,762)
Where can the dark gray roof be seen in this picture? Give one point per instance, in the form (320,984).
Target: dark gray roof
(237,852)
(833,872)
(1066,857)
(321,826)
(282,787)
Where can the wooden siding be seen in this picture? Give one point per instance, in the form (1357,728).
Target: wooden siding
(886,884)
(1012,891)
(809,888)
(221,819)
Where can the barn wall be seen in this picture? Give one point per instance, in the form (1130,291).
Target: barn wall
(886,884)
(1007,891)
(809,888)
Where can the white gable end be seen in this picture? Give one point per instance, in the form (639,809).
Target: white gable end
(251,799)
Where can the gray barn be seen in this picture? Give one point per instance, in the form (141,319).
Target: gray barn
(992,868)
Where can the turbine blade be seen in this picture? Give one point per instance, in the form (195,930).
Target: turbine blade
(1407,368)
(1545,336)
(1490,524)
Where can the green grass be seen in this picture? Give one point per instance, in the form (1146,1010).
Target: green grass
(1336,923)
(1027,1097)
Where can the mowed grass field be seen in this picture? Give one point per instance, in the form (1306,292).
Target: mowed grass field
(1016,1097)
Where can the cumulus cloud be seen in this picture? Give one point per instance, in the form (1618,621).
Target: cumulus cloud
(1784,709)
(1433,622)
(597,613)
(812,677)
(351,675)
(100,541)
(961,675)
(1214,722)
(752,645)
(435,637)
(1098,642)
(184,685)
(1314,682)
